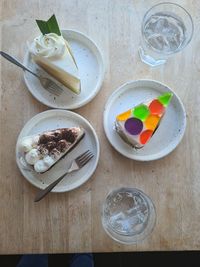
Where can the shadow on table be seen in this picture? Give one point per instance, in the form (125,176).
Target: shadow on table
(134,259)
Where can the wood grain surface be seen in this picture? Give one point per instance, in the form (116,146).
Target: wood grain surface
(71,222)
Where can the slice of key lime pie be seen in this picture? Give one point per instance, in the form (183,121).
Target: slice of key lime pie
(42,151)
(53,53)
(137,125)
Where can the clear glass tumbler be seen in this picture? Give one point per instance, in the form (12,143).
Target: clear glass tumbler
(166,29)
(128,215)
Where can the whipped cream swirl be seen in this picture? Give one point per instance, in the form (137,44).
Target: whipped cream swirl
(49,45)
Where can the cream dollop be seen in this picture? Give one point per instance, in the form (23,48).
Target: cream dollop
(40,166)
(48,161)
(27,143)
(49,45)
(43,165)
(32,156)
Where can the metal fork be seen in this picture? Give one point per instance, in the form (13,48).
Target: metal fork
(76,164)
(48,84)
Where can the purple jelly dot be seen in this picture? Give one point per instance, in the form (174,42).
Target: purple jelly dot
(133,126)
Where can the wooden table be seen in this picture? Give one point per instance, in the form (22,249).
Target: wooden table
(71,222)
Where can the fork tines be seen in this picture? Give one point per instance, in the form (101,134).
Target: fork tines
(55,89)
(84,158)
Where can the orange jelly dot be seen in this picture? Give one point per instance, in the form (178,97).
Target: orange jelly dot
(124,116)
(156,107)
(145,136)
(152,122)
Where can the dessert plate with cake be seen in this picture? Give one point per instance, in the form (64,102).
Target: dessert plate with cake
(49,142)
(70,59)
(144,120)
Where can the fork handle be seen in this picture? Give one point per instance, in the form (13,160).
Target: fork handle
(43,192)
(16,62)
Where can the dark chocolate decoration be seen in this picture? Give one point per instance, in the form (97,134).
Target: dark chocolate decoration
(57,139)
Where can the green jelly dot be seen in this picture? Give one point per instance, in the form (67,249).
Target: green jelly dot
(141,112)
(165,99)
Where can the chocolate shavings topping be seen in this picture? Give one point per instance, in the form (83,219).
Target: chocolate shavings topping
(57,141)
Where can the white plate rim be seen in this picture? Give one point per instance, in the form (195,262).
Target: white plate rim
(48,112)
(134,156)
(96,89)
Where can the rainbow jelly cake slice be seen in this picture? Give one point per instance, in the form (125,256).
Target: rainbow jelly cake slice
(137,125)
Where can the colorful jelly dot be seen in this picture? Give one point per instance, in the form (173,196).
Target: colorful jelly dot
(133,126)
(152,122)
(156,108)
(145,136)
(141,112)
(124,116)
(165,99)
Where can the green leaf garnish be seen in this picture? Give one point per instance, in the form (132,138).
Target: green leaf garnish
(49,26)
(42,26)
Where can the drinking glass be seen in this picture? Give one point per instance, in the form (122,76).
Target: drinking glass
(166,29)
(128,215)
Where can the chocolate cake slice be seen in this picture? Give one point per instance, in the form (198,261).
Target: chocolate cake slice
(44,150)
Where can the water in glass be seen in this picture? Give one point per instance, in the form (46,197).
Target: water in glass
(165,32)
(127,212)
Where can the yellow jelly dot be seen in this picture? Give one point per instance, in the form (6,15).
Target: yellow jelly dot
(151,122)
(124,116)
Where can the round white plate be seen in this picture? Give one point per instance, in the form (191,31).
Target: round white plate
(170,131)
(91,70)
(50,120)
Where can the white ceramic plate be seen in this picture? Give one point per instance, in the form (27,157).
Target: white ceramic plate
(170,131)
(50,120)
(91,69)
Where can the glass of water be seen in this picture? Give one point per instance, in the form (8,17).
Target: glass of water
(166,29)
(128,215)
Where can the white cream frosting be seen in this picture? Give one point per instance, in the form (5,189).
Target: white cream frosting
(40,166)
(32,156)
(49,45)
(41,162)
(43,165)
(49,161)
(28,143)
